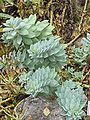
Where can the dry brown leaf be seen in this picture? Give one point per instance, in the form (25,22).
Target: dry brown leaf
(46,111)
(30,118)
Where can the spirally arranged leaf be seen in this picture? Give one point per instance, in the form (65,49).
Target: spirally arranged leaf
(48,53)
(26,31)
(72,100)
(43,80)
(5,16)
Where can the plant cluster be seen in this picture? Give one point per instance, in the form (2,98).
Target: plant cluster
(25,32)
(40,47)
(72,107)
(74,75)
(43,80)
(80,54)
(48,53)
(40,51)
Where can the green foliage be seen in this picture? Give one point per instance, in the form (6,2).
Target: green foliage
(70,70)
(72,100)
(26,31)
(20,59)
(86,41)
(2,65)
(1,1)
(14,31)
(79,55)
(48,53)
(76,75)
(43,80)
(44,50)
(9,1)
(89,50)
(5,16)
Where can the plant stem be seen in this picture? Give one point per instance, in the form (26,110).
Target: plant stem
(5,100)
(63,14)
(71,42)
(51,14)
(83,14)
(7,112)
(85,75)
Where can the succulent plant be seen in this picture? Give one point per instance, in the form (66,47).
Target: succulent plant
(14,31)
(70,70)
(48,53)
(20,59)
(79,55)
(86,46)
(78,75)
(71,98)
(44,80)
(73,74)
(27,31)
(86,41)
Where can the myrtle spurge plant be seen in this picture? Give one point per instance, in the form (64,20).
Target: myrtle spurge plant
(48,53)
(86,41)
(73,74)
(41,55)
(26,31)
(80,54)
(20,59)
(72,100)
(43,80)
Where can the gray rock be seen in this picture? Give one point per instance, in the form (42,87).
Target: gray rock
(33,108)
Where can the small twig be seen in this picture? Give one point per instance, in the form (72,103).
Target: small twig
(83,14)
(84,85)
(49,4)
(68,44)
(85,75)
(6,6)
(2,102)
(21,8)
(1,75)
(63,14)
(9,106)
(7,112)
(84,68)
(15,77)
(51,15)
(51,18)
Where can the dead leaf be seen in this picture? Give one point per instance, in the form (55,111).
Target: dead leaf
(30,118)
(1,29)
(46,111)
